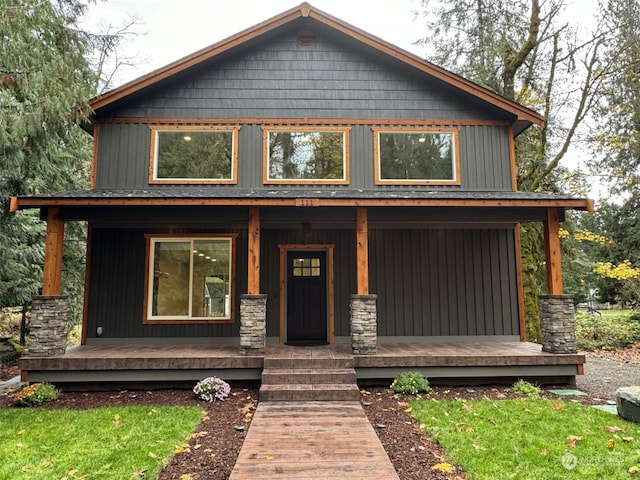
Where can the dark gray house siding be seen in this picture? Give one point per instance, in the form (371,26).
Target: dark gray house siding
(327,79)
(123,159)
(430,280)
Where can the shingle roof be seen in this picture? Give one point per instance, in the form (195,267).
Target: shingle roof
(285,196)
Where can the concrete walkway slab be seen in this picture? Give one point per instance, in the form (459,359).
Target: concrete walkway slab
(312,440)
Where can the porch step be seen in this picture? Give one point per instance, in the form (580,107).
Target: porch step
(308,374)
(327,392)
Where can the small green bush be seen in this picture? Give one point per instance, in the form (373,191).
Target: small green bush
(35,394)
(606,332)
(410,383)
(522,387)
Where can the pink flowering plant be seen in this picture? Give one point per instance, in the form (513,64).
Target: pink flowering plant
(212,388)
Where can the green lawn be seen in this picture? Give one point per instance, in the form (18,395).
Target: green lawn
(103,443)
(531,439)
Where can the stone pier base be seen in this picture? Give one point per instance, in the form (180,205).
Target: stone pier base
(364,324)
(253,324)
(48,326)
(558,323)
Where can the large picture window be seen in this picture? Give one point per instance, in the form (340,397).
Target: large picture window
(193,154)
(190,279)
(416,157)
(306,155)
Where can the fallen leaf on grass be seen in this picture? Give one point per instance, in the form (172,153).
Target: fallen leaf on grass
(611,429)
(628,439)
(611,444)
(572,439)
(152,455)
(47,464)
(544,452)
(21,432)
(139,474)
(557,405)
(634,470)
(443,467)
(116,420)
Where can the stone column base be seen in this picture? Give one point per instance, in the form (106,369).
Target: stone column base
(253,324)
(48,326)
(364,324)
(558,322)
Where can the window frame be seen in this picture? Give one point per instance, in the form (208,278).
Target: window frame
(455,133)
(153,154)
(266,130)
(150,240)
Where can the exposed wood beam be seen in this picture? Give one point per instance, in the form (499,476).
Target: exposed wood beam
(253,275)
(53,249)
(520,284)
(362,251)
(552,252)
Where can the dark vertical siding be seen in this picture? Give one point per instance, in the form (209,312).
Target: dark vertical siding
(116,292)
(123,159)
(440,282)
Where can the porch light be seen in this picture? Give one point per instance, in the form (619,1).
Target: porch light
(422,139)
(187,138)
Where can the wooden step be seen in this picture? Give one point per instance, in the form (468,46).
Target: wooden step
(307,376)
(308,363)
(309,392)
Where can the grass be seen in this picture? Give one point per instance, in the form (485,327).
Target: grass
(101,443)
(531,439)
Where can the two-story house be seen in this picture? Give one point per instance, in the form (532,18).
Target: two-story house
(302,182)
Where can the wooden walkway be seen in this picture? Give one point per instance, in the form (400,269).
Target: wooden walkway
(312,440)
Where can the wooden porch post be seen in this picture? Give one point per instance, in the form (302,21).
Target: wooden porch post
(253,276)
(552,252)
(362,251)
(53,249)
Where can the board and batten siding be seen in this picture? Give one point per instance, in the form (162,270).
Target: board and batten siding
(116,289)
(123,159)
(444,282)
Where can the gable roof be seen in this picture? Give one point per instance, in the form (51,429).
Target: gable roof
(524,116)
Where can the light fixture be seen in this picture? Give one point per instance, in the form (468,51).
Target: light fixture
(187,138)
(422,139)
(201,254)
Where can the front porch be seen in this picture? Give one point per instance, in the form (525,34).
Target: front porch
(111,365)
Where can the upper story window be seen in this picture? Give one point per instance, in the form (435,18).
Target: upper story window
(306,155)
(193,154)
(416,157)
(190,279)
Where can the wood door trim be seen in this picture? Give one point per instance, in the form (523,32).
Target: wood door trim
(328,249)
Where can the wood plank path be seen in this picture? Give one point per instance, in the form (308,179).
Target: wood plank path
(312,440)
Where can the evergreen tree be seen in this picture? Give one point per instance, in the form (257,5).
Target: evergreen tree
(45,85)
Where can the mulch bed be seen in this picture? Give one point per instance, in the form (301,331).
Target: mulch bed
(216,442)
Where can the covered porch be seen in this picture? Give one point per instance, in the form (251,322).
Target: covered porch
(115,365)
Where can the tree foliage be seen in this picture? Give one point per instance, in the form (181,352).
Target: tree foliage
(45,83)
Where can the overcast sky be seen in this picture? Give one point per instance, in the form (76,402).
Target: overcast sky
(175,28)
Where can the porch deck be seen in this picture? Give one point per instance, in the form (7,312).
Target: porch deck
(488,362)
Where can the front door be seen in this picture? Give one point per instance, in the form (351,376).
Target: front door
(306,297)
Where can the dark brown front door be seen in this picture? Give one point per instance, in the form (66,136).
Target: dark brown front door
(306,297)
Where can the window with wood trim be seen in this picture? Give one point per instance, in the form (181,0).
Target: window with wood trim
(190,279)
(193,154)
(416,157)
(306,155)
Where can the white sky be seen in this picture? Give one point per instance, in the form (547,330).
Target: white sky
(175,28)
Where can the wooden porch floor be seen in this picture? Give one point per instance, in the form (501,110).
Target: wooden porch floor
(174,362)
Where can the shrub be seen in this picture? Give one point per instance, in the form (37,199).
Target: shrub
(522,387)
(410,383)
(212,388)
(35,394)
(606,332)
